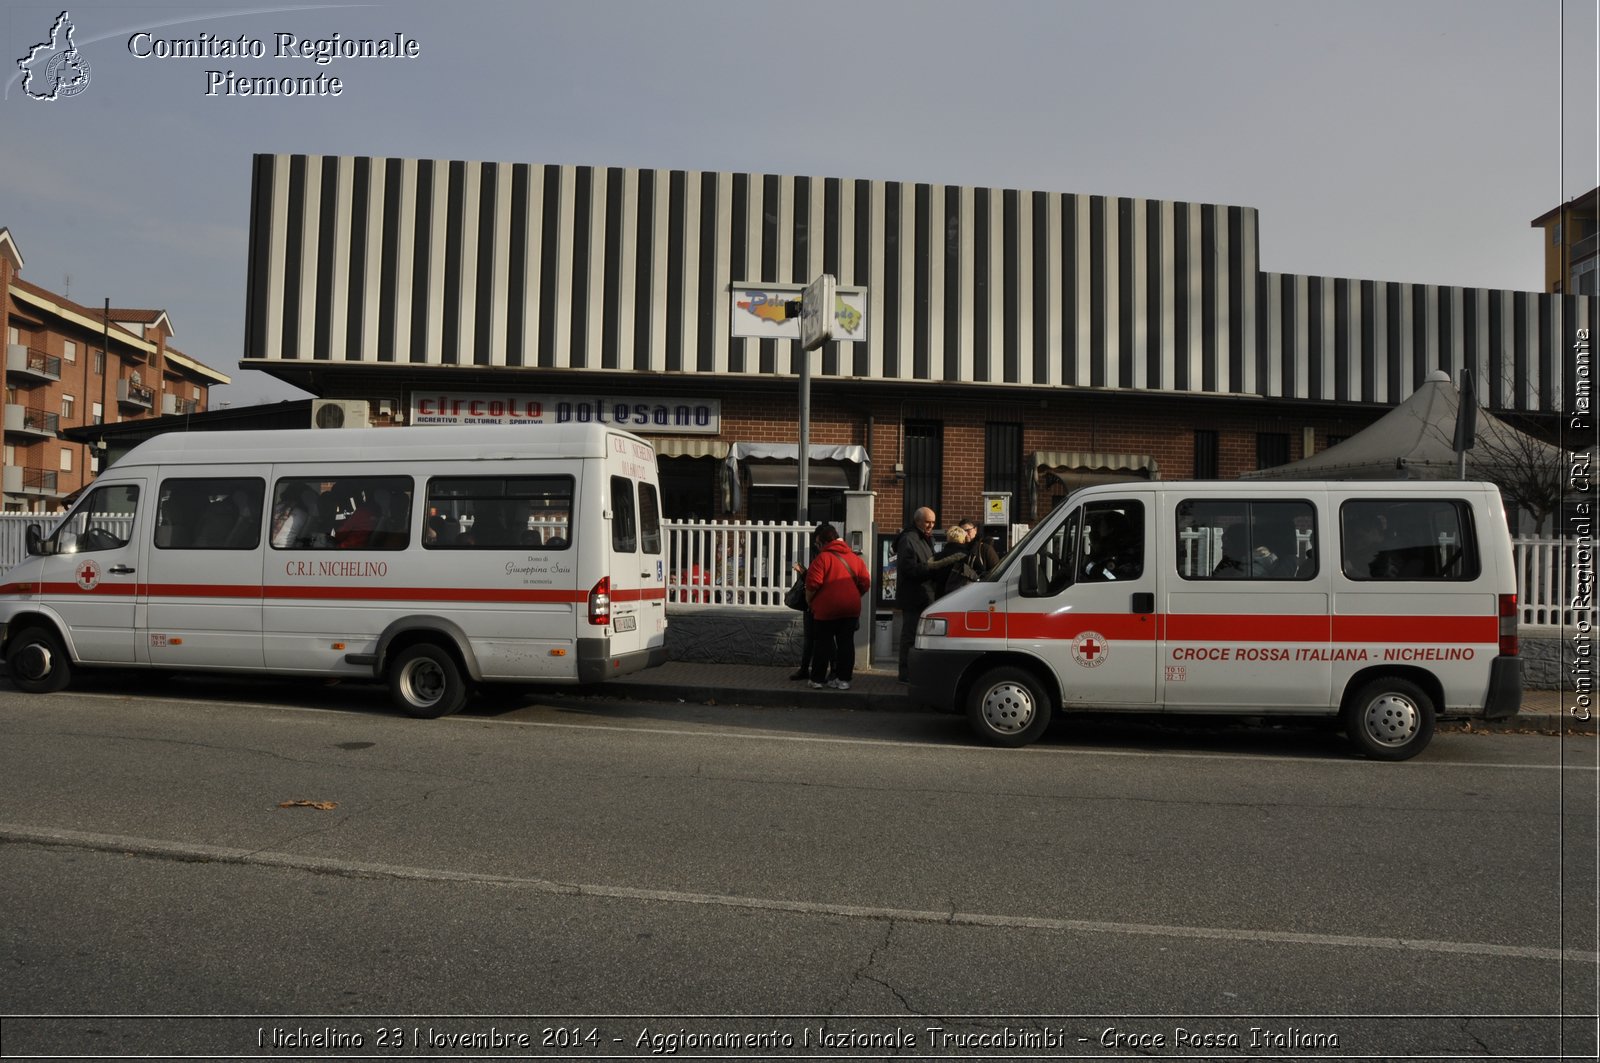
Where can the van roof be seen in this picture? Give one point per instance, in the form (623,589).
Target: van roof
(480,442)
(1291,488)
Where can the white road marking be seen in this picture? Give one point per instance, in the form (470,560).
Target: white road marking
(17,833)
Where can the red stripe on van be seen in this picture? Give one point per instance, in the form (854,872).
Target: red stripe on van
(1416,629)
(1210,627)
(1131,626)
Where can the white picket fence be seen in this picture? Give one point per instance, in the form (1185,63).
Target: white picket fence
(750,564)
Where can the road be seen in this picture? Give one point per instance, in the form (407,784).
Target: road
(1134,889)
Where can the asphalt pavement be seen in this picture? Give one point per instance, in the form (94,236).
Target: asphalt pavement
(1543,711)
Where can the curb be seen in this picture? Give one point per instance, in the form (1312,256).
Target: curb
(801,696)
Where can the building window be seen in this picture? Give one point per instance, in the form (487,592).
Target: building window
(1206,454)
(69,351)
(66,407)
(924,461)
(1272,449)
(100,362)
(66,460)
(1555,235)
(11,334)
(1002,464)
(99,413)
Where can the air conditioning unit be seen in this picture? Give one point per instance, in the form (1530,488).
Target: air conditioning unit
(339,413)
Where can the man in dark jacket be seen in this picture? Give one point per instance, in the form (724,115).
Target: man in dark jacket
(917,576)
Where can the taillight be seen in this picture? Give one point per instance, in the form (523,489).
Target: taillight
(600,602)
(1508,625)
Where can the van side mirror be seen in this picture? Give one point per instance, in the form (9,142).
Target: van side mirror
(1028,581)
(34,538)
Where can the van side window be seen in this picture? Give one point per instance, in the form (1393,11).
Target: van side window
(348,513)
(214,513)
(103,522)
(499,513)
(624,525)
(1228,539)
(649,519)
(1419,540)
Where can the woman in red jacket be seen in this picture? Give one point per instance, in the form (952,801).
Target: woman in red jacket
(835,584)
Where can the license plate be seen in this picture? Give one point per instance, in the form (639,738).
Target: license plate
(625,623)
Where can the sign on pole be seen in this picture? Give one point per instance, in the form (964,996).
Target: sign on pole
(816,312)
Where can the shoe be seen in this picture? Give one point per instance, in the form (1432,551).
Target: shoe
(839,684)
(817,686)
(801,674)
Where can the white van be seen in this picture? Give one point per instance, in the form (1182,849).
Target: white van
(1387,604)
(435,558)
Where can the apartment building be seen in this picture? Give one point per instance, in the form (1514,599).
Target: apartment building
(1572,245)
(69,365)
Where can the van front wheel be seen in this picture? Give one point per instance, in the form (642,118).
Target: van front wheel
(1008,707)
(426,682)
(38,662)
(1390,719)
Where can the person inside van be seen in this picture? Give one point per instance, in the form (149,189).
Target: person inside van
(1115,548)
(355,531)
(292,515)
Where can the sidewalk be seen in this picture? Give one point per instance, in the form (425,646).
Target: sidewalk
(769,685)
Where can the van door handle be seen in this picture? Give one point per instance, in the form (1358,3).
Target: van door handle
(1144,602)
(121,570)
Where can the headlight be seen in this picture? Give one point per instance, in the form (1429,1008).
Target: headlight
(933,626)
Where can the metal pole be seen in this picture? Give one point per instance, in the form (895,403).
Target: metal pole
(803,486)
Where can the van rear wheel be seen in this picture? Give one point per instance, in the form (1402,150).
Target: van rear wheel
(1390,719)
(426,682)
(1008,707)
(38,661)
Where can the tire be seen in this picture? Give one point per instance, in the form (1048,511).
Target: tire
(38,661)
(1008,707)
(425,682)
(1390,719)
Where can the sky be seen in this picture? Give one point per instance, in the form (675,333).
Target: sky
(1408,141)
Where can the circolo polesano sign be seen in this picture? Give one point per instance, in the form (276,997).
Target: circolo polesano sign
(636,413)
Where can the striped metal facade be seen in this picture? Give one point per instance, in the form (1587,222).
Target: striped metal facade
(481,264)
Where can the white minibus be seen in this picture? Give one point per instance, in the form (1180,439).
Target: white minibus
(1384,604)
(434,558)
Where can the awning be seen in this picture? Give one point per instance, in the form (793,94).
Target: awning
(1081,468)
(833,467)
(688,447)
(831,477)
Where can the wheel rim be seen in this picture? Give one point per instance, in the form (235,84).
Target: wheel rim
(1008,708)
(34,662)
(423,683)
(1391,719)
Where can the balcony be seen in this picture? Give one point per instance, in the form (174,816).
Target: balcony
(171,404)
(24,481)
(1584,250)
(131,396)
(30,421)
(28,366)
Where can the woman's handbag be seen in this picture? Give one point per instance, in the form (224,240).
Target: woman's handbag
(796,597)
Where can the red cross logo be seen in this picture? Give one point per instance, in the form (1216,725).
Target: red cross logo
(88,575)
(1090,649)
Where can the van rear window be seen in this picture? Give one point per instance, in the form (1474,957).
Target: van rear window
(499,513)
(1386,540)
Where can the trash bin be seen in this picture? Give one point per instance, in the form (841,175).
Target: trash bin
(883,647)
